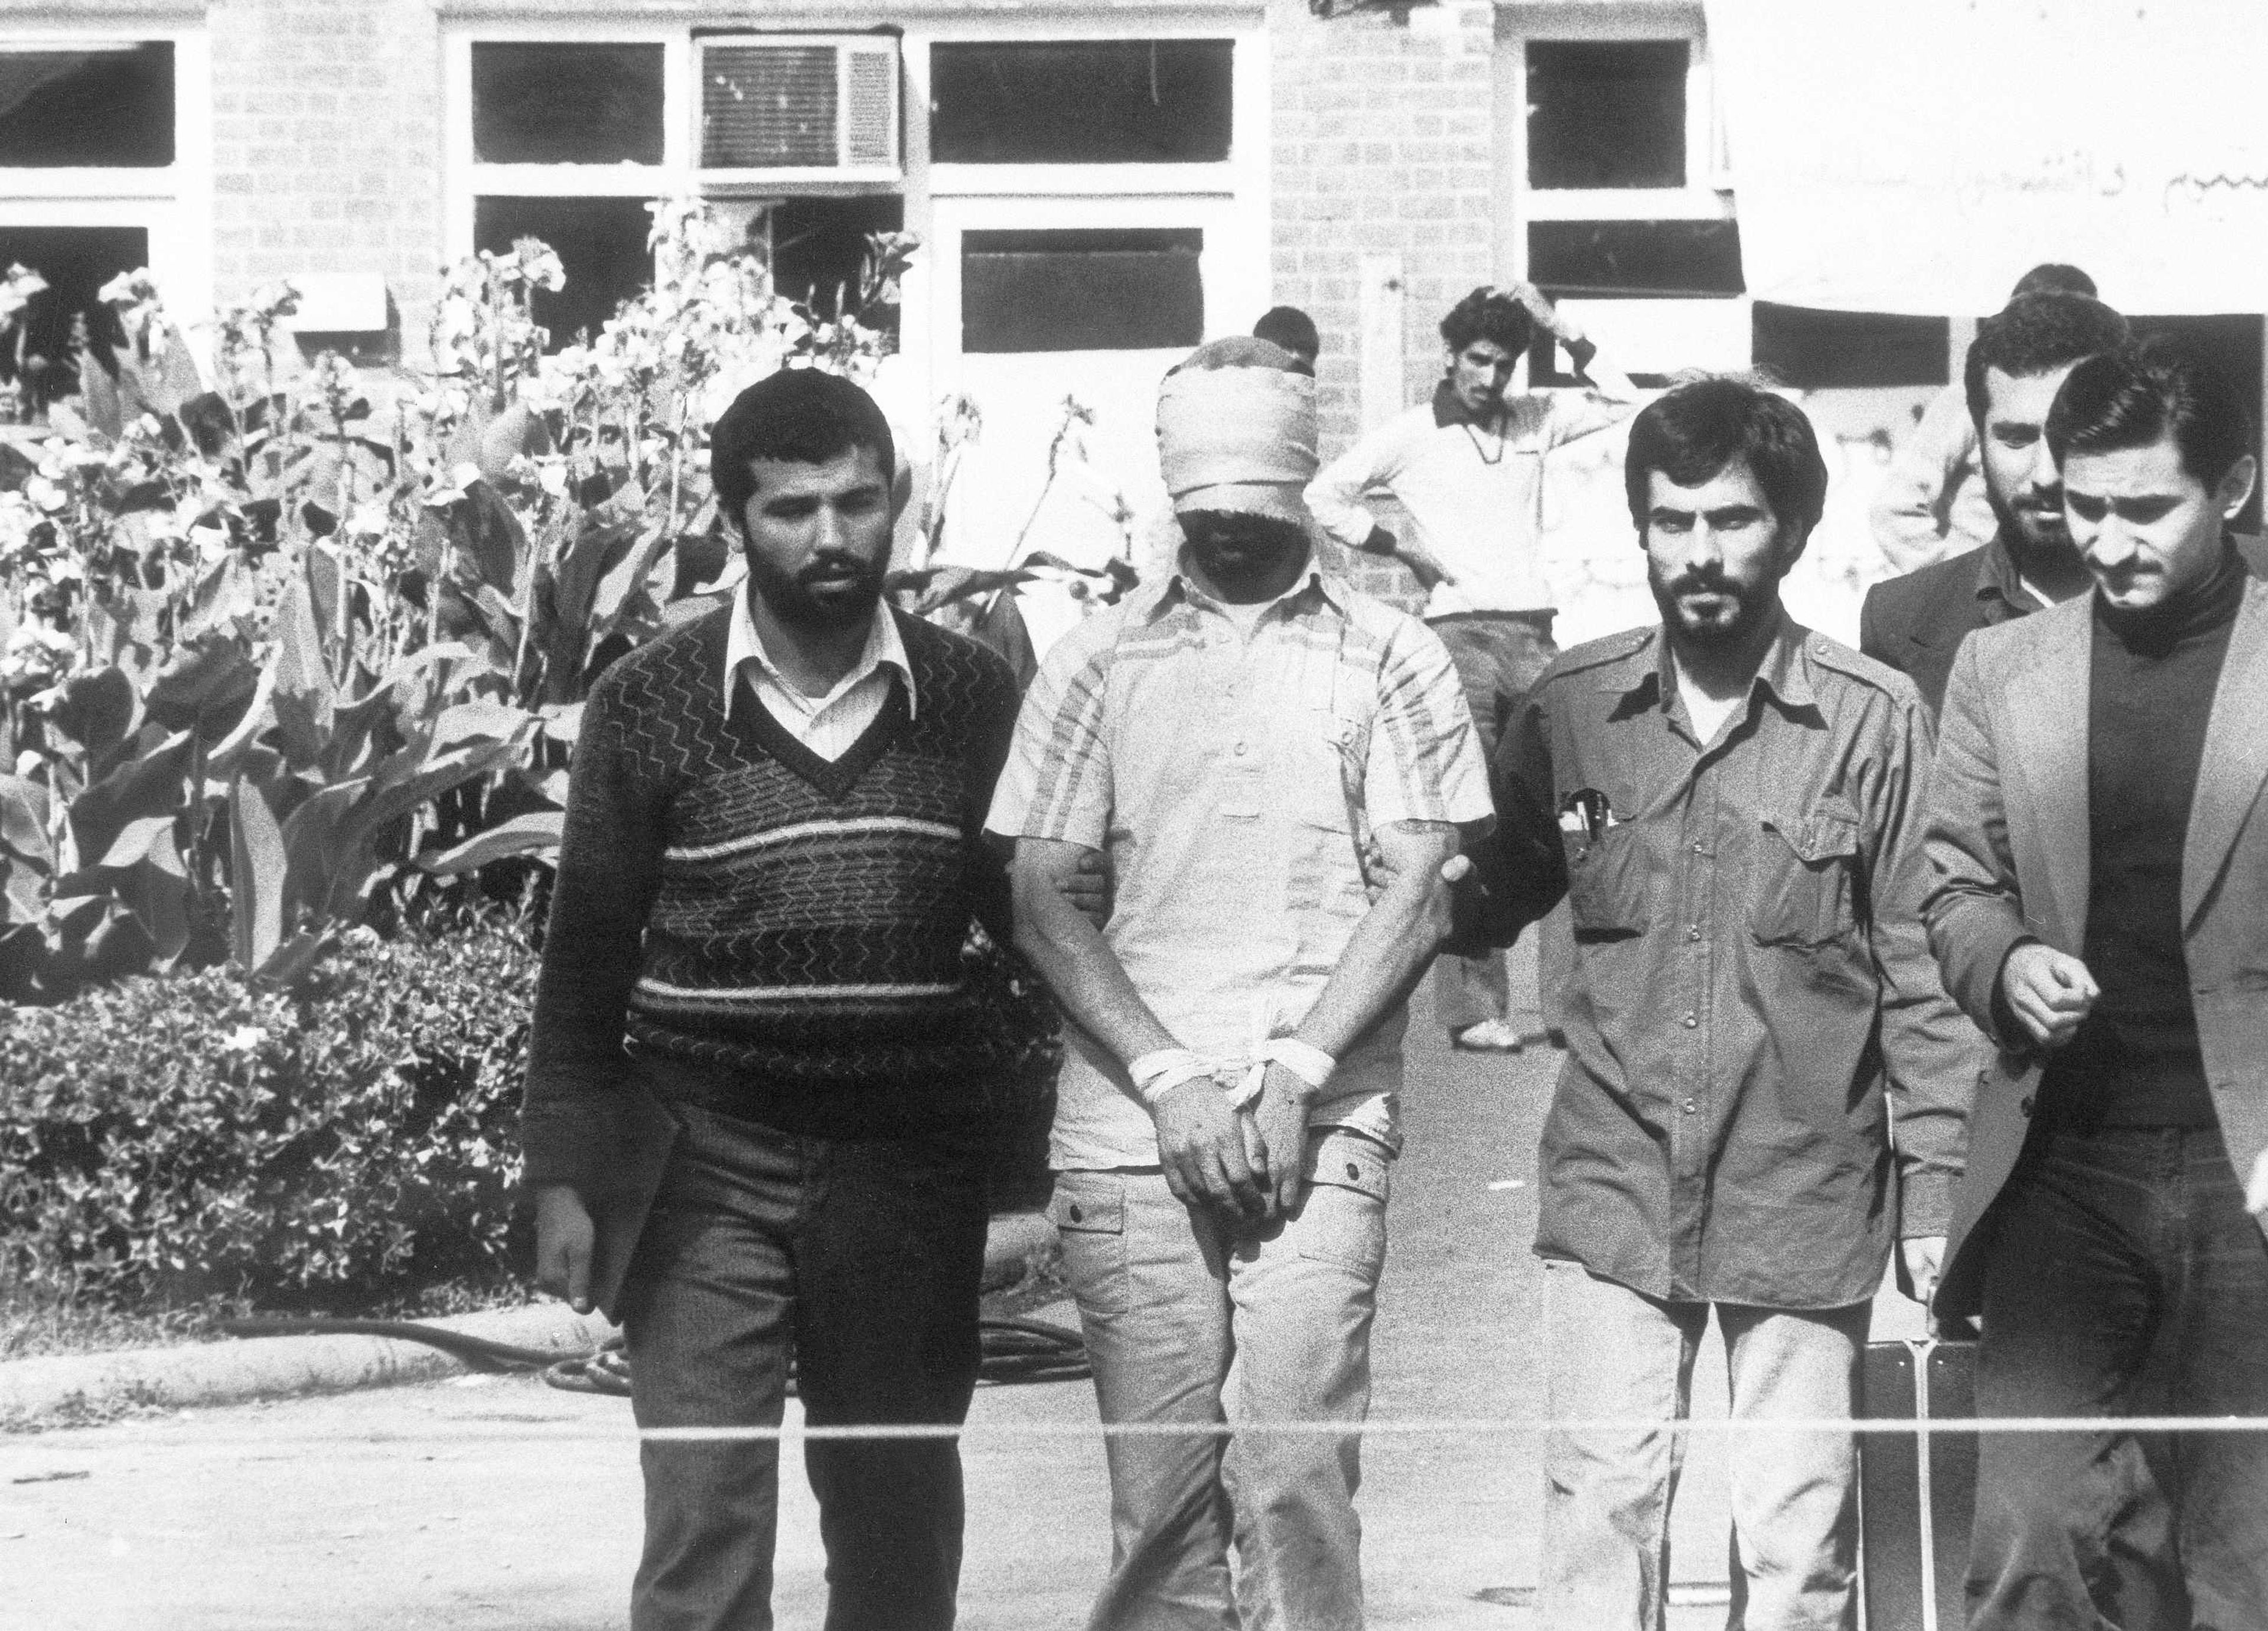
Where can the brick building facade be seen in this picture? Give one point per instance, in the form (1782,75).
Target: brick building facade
(1366,162)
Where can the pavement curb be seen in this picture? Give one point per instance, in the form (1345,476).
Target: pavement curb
(76,1387)
(70,1388)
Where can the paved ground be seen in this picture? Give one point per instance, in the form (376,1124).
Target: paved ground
(483,1505)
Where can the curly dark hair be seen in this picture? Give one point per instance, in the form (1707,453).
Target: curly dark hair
(1697,430)
(798,415)
(2035,333)
(1488,315)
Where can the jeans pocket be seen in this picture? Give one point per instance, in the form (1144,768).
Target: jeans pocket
(1342,1217)
(1089,1212)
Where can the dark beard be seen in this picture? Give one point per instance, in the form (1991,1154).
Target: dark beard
(1752,605)
(2033,560)
(790,598)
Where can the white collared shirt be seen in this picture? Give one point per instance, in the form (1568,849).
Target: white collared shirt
(826,724)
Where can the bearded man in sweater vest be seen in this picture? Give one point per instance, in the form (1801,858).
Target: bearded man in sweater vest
(753,1090)
(1253,745)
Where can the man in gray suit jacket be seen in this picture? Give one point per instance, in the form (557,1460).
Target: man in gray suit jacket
(2100,833)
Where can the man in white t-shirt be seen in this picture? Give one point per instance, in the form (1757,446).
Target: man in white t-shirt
(1467,468)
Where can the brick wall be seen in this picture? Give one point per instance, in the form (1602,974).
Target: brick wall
(326,145)
(1383,144)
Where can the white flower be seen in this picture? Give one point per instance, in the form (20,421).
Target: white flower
(243,1040)
(45,493)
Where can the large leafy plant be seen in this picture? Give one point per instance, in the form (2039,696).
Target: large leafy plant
(274,643)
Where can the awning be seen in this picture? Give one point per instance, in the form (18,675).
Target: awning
(1920,155)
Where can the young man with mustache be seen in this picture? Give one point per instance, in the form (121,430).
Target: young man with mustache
(1931,501)
(756,1076)
(2019,357)
(1469,466)
(1732,806)
(2101,848)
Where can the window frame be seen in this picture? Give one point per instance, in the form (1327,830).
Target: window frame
(173,204)
(465,178)
(1715,328)
(1229,200)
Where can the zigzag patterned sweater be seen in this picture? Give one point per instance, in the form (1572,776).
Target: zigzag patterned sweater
(783,931)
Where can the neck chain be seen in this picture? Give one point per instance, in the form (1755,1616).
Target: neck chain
(1481,447)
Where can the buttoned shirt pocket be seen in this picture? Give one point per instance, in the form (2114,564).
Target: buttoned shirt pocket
(1606,887)
(1806,870)
(1327,752)
(1342,1217)
(1089,1212)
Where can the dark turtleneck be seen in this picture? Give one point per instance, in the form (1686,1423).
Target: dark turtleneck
(2135,1062)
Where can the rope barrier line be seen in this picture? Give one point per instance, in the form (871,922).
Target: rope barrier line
(1495,1426)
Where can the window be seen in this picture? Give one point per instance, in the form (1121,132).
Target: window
(1666,260)
(818,246)
(103,169)
(107,107)
(1607,114)
(1821,349)
(566,104)
(1611,187)
(1088,101)
(570,140)
(602,244)
(1134,289)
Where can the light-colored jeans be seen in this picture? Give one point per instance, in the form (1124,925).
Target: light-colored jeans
(1614,1354)
(1186,1323)
(1498,656)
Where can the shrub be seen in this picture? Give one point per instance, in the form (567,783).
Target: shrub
(170,1141)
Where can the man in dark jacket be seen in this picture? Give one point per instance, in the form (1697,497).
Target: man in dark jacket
(1915,623)
(2096,833)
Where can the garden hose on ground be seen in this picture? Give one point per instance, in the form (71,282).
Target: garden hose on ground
(1014,1351)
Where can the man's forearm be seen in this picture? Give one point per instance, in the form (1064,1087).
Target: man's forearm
(1600,374)
(1084,973)
(1392,945)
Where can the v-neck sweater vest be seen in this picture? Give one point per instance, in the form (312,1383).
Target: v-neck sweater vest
(789,928)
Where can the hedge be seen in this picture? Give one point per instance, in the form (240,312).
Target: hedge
(166,1141)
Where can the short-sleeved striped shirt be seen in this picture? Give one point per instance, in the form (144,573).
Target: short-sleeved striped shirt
(1233,778)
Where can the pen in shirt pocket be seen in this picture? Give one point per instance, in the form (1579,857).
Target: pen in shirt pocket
(1586,814)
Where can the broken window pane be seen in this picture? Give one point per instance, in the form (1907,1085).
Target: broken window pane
(110,107)
(1088,101)
(601,243)
(566,104)
(1081,291)
(1606,114)
(1652,260)
(77,262)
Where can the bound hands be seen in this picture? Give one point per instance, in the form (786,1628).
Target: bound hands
(2049,993)
(1244,1165)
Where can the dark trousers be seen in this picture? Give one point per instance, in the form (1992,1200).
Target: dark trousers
(862,1258)
(2126,1278)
